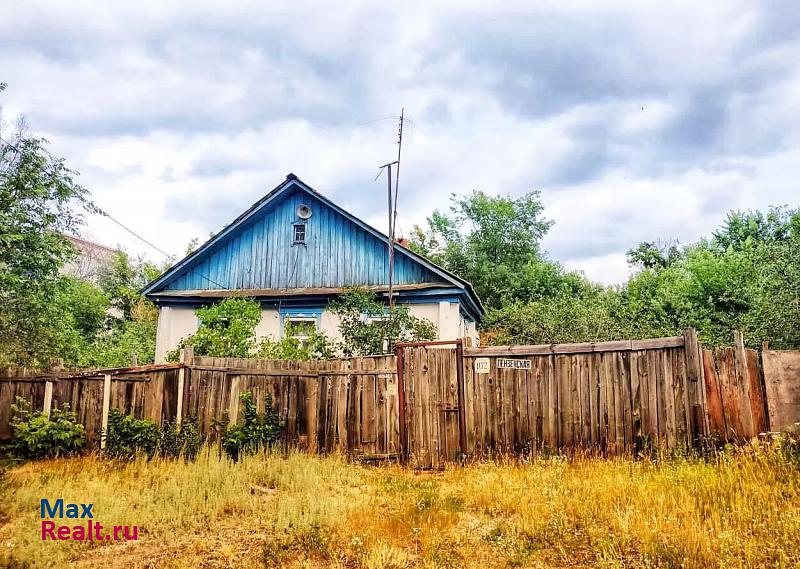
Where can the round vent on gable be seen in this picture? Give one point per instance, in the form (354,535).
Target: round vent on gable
(303,211)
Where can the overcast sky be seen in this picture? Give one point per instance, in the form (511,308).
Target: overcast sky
(636,120)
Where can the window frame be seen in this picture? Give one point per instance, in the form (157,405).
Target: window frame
(300,315)
(295,226)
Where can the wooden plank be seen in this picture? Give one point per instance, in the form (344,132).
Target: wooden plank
(48,398)
(563,369)
(551,387)
(758,406)
(106,408)
(586,347)
(714,406)
(731,394)
(682,417)
(782,386)
(669,399)
(602,403)
(695,386)
(657,410)
(743,386)
(624,371)
(636,400)
(469,404)
(342,388)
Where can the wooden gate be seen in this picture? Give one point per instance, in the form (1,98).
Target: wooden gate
(431,403)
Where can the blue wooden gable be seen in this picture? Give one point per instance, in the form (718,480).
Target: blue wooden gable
(257,253)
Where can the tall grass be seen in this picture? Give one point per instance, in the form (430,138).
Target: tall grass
(740,508)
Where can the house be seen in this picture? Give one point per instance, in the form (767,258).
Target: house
(294,251)
(92,259)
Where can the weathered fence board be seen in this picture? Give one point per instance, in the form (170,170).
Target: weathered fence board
(782,382)
(735,402)
(440,405)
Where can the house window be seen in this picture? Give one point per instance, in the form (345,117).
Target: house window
(299,232)
(300,323)
(300,328)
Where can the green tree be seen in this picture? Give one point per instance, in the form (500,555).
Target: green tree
(493,242)
(122,280)
(39,200)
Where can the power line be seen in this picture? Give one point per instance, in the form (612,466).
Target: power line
(172,258)
(139,237)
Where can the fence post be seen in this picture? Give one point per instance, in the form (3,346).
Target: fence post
(106,405)
(187,356)
(694,372)
(54,365)
(401,404)
(48,398)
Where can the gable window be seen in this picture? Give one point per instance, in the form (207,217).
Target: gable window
(299,233)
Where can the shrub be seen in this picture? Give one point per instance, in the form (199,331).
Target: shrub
(260,431)
(35,435)
(227,330)
(369,328)
(128,437)
(184,441)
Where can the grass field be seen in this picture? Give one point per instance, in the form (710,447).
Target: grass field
(738,509)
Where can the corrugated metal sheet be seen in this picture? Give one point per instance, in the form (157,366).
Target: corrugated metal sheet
(261,254)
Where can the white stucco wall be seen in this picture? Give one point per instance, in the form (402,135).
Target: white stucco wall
(270,325)
(175,324)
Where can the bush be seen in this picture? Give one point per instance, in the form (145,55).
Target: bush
(260,431)
(128,437)
(368,328)
(35,435)
(184,441)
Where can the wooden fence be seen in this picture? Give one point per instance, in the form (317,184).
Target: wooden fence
(346,405)
(438,402)
(146,392)
(612,396)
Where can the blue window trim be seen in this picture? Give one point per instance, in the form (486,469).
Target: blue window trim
(315,313)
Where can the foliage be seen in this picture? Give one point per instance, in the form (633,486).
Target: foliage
(123,278)
(746,277)
(369,328)
(316,347)
(125,339)
(588,317)
(38,201)
(35,435)
(493,242)
(77,316)
(182,441)
(128,437)
(226,330)
(259,431)
(654,255)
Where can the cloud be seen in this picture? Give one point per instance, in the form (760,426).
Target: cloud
(636,121)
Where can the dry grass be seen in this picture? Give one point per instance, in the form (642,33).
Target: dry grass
(740,509)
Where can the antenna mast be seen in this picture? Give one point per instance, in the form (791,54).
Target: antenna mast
(392,203)
(393,207)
